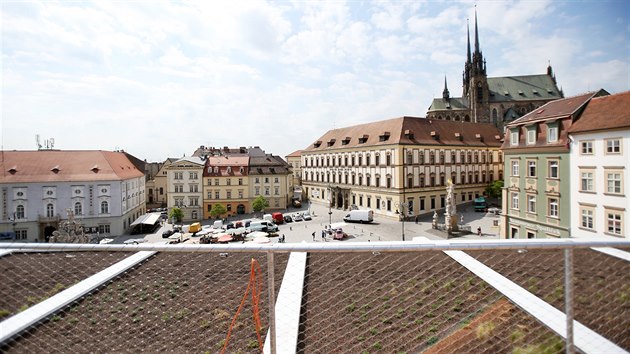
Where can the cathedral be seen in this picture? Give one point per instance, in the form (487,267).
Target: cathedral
(496,100)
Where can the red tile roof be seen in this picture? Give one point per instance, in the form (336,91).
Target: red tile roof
(65,166)
(556,109)
(410,131)
(296,153)
(607,112)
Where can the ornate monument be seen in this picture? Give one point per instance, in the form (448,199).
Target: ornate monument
(435,220)
(450,215)
(70,231)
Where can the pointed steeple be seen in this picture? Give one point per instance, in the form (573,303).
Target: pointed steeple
(476,33)
(445,93)
(468,59)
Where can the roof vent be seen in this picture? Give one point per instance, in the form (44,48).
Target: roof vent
(435,135)
(479,137)
(534,91)
(13,170)
(506,92)
(521,93)
(55,169)
(94,169)
(408,133)
(549,90)
(458,136)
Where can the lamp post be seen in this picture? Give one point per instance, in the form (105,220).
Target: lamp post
(329,205)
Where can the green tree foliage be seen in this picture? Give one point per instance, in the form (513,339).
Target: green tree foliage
(176,213)
(259,204)
(217,210)
(494,189)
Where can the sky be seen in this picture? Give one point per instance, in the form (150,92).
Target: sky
(159,78)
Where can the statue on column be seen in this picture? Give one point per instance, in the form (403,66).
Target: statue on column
(450,216)
(434,224)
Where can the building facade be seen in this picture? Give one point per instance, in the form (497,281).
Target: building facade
(157,186)
(225,181)
(294,160)
(599,168)
(400,167)
(185,178)
(270,176)
(496,100)
(536,195)
(104,190)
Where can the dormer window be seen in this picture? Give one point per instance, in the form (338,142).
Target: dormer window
(229,169)
(458,136)
(531,135)
(434,135)
(408,134)
(514,137)
(331,142)
(345,141)
(363,139)
(317,144)
(384,136)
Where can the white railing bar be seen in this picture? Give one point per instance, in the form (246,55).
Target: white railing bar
(381,246)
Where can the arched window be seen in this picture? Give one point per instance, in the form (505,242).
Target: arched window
(457,118)
(78,208)
(494,116)
(467,118)
(50,210)
(448,117)
(19,212)
(104,207)
(463,178)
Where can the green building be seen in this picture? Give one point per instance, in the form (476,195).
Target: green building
(536,195)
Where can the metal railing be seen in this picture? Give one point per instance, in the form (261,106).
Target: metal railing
(485,295)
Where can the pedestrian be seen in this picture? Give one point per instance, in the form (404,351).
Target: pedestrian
(290,228)
(313,235)
(479,231)
(323,235)
(282,239)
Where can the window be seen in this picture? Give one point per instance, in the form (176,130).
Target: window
(587,218)
(613,182)
(194,201)
(50,210)
(276,190)
(217,195)
(266,179)
(586,148)
(531,168)
(257,180)
(19,212)
(531,204)
(276,180)
(78,208)
(614,222)
(515,200)
(389,182)
(179,188)
(531,136)
(531,234)
(613,146)
(257,191)
(228,182)
(514,168)
(587,182)
(193,188)
(553,207)
(228,195)
(552,134)
(378,181)
(266,190)
(240,181)
(388,160)
(21,234)
(514,137)
(103,229)
(240,194)
(553,169)
(179,175)
(192,175)
(104,207)
(378,159)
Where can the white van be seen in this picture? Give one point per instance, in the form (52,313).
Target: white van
(359,216)
(263,225)
(218,224)
(268,217)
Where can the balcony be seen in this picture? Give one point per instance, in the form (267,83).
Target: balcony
(439,296)
(42,219)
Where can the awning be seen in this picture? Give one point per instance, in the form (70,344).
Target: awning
(147,219)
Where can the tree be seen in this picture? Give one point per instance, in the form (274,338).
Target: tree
(259,204)
(494,189)
(217,210)
(177,214)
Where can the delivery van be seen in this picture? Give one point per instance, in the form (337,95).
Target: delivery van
(366,215)
(263,225)
(277,218)
(481,204)
(194,228)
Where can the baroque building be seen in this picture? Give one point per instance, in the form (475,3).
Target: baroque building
(104,190)
(496,100)
(400,167)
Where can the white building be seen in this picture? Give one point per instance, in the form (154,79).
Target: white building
(104,190)
(599,168)
(184,183)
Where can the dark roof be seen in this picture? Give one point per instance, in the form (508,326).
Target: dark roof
(453,103)
(268,164)
(606,112)
(410,131)
(65,166)
(561,108)
(523,88)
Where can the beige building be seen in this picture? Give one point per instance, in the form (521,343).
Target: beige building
(294,160)
(184,178)
(225,182)
(400,166)
(270,176)
(157,189)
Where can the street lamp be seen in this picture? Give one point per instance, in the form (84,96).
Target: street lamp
(329,205)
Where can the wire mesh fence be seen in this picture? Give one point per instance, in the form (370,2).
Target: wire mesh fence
(377,298)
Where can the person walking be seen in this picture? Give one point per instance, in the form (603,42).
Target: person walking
(479,231)
(323,235)
(313,235)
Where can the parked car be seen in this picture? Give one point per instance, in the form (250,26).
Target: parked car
(359,216)
(134,241)
(339,234)
(306,216)
(277,218)
(167,233)
(297,217)
(288,218)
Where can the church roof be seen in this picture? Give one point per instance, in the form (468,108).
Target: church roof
(510,115)
(453,103)
(523,88)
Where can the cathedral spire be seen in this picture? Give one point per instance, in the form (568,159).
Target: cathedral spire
(476,34)
(445,93)
(468,31)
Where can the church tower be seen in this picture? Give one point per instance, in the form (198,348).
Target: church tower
(476,89)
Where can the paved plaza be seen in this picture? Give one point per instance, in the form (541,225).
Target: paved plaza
(382,229)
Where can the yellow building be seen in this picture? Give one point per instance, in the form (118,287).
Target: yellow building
(399,167)
(225,181)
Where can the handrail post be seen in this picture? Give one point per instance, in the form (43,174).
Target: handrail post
(272,301)
(568,298)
